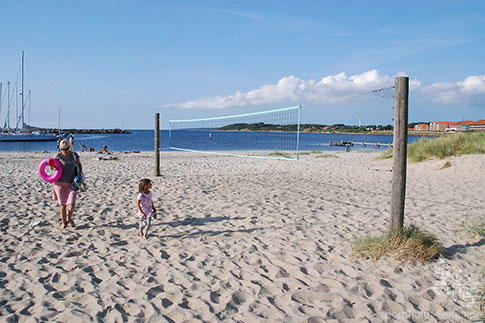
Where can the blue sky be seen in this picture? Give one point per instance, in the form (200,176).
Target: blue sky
(114,63)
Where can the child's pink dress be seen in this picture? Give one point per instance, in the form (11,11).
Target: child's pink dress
(145,204)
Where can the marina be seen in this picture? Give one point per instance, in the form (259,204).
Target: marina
(22,131)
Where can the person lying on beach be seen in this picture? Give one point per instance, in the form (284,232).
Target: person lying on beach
(146,209)
(104,150)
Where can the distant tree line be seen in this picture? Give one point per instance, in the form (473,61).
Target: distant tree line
(260,126)
(306,127)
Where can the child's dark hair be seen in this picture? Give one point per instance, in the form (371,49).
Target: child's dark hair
(143,185)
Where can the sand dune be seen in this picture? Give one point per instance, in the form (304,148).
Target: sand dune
(237,239)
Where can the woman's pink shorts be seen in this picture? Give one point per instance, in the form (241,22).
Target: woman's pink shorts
(64,194)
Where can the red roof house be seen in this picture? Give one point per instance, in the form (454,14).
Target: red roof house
(440,125)
(421,127)
(478,125)
(465,125)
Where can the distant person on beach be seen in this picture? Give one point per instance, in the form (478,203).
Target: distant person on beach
(104,150)
(71,141)
(58,144)
(83,147)
(62,189)
(146,209)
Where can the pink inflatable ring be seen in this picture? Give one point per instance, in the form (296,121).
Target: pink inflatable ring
(50,162)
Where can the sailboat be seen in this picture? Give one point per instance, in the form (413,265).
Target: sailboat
(24,132)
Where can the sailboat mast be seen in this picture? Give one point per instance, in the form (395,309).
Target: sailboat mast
(30,101)
(7,120)
(23,103)
(1,88)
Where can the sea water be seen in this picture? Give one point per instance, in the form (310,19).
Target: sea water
(143,140)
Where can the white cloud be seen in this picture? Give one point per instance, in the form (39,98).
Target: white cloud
(471,91)
(413,84)
(340,87)
(291,89)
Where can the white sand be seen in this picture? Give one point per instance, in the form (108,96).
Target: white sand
(239,239)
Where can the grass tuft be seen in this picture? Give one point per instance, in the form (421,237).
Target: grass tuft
(477,228)
(326,156)
(311,152)
(279,154)
(410,244)
(445,146)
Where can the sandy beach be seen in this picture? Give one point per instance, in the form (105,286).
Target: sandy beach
(237,239)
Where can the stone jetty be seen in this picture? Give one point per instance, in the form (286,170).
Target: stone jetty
(88,131)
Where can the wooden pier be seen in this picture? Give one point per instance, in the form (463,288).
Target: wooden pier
(362,144)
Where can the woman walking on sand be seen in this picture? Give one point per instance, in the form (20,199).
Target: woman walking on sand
(62,189)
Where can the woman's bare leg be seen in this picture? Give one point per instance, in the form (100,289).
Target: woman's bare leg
(62,210)
(70,211)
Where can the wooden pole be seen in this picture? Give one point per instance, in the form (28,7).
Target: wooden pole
(157,144)
(398,193)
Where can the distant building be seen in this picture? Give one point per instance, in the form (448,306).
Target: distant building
(459,126)
(440,125)
(421,127)
(478,125)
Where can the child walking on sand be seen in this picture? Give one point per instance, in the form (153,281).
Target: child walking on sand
(146,210)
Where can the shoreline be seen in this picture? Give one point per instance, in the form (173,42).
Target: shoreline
(367,133)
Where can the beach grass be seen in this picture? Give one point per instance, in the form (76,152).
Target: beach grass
(445,146)
(311,152)
(318,154)
(411,243)
(279,154)
(326,156)
(477,227)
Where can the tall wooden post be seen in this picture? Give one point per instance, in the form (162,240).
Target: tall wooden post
(157,144)
(398,193)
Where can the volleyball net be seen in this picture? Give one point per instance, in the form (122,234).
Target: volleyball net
(267,134)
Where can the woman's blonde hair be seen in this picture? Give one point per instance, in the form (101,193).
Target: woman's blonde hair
(143,185)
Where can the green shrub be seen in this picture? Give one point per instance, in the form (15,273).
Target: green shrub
(410,244)
(279,154)
(311,152)
(477,228)
(326,156)
(445,146)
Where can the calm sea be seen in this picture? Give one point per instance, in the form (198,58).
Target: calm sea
(143,140)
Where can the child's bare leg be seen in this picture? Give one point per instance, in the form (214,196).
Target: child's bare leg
(147,226)
(141,227)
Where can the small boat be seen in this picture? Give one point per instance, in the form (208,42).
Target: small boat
(26,132)
(28,136)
